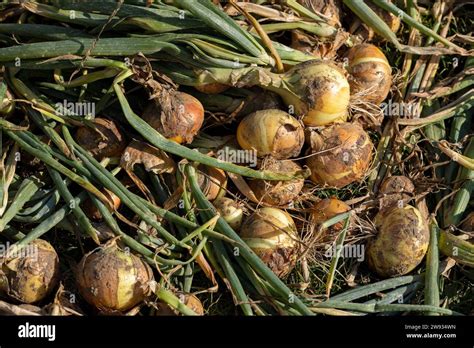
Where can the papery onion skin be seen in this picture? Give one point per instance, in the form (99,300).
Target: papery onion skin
(401,241)
(342,155)
(112,279)
(323,92)
(106,141)
(180,121)
(212,181)
(326,209)
(395,190)
(370,73)
(271,234)
(271,132)
(278,193)
(31,274)
(230,210)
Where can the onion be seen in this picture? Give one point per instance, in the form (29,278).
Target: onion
(104,141)
(371,74)
(178,117)
(325,210)
(342,154)
(7,105)
(271,234)
(278,192)
(112,279)
(31,274)
(395,189)
(212,88)
(93,212)
(319,91)
(212,181)
(401,242)
(230,210)
(271,132)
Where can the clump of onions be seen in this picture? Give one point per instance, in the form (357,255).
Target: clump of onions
(370,73)
(230,210)
(278,193)
(212,88)
(106,140)
(326,209)
(401,242)
(395,191)
(212,181)
(31,273)
(318,90)
(93,212)
(112,279)
(341,155)
(178,116)
(7,105)
(271,133)
(271,234)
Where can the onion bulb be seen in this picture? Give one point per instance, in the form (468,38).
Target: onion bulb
(112,279)
(401,242)
(326,209)
(7,105)
(341,155)
(212,88)
(178,117)
(271,132)
(370,73)
(93,212)
(230,210)
(31,273)
(104,141)
(271,234)
(212,181)
(396,190)
(278,192)
(319,91)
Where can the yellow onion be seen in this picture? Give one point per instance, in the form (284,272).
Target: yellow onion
(271,132)
(112,279)
(326,209)
(178,118)
(93,212)
(212,181)
(212,88)
(342,155)
(271,234)
(319,91)
(104,141)
(401,241)
(7,105)
(230,210)
(31,273)
(278,192)
(189,300)
(395,190)
(370,73)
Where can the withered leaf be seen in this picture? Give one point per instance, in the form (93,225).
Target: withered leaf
(153,159)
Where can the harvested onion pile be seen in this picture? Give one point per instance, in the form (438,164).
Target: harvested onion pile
(276,152)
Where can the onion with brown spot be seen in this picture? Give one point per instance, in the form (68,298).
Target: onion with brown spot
(342,154)
(231,211)
(396,190)
(271,132)
(271,234)
(112,279)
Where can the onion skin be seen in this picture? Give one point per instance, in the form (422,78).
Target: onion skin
(342,155)
(278,193)
(324,92)
(369,71)
(271,132)
(113,280)
(212,181)
(326,209)
(111,145)
(230,211)
(395,190)
(180,121)
(29,278)
(271,234)
(212,88)
(401,242)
